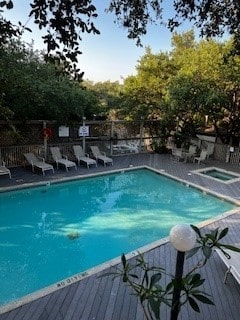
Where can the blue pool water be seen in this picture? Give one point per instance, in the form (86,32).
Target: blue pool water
(52,232)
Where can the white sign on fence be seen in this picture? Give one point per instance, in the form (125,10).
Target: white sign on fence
(83,131)
(63,131)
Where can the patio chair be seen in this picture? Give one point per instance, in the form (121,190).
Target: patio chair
(177,154)
(82,157)
(61,159)
(202,157)
(190,154)
(100,156)
(232,263)
(4,170)
(38,163)
(126,147)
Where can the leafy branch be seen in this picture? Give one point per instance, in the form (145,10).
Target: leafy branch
(146,281)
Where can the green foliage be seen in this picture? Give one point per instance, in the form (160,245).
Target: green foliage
(64,22)
(32,89)
(148,282)
(108,95)
(145,94)
(194,80)
(159,146)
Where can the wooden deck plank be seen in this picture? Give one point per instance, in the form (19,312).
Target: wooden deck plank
(103,296)
(87,302)
(53,308)
(112,297)
(92,297)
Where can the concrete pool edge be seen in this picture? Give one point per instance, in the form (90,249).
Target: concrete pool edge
(227,182)
(67,179)
(130,168)
(80,276)
(198,187)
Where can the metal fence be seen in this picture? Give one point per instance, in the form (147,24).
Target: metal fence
(109,136)
(14,155)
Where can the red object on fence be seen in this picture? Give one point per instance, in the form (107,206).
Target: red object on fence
(47,133)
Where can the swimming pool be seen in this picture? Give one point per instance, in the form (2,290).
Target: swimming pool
(219,175)
(79,224)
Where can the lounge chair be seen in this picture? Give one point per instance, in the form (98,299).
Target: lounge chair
(100,156)
(4,170)
(82,157)
(37,163)
(62,160)
(202,157)
(232,263)
(127,147)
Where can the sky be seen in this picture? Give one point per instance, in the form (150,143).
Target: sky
(110,56)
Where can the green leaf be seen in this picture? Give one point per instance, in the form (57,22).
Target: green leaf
(155,278)
(223,233)
(192,252)
(202,298)
(232,248)
(169,287)
(124,261)
(207,251)
(193,304)
(195,278)
(133,275)
(196,230)
(155,306)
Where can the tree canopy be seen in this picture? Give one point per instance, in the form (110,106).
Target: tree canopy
(194,81)
(32,89)
(64,22)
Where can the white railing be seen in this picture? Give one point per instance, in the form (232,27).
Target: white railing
(13,155)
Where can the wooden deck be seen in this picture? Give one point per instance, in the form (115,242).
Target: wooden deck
(94,298)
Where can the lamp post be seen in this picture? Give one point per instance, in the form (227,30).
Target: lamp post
(183,238)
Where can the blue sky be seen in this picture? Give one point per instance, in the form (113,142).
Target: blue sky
(109,56)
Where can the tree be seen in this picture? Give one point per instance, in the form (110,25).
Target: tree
(211,17)
(108,95)
(145,93)
(65,21)
(207,83)
(33,89)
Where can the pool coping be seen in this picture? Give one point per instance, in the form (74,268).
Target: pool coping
(113,262)
(199,172)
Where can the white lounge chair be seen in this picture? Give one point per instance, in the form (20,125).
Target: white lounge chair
(101,156)
(202,157)
(232,264)
(127,147)
(4,170)
(60,159)
(38,163)
(82,157)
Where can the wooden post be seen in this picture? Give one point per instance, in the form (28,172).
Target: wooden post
(111,138)
(141,133)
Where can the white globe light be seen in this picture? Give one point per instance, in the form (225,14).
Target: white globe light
(182,237)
